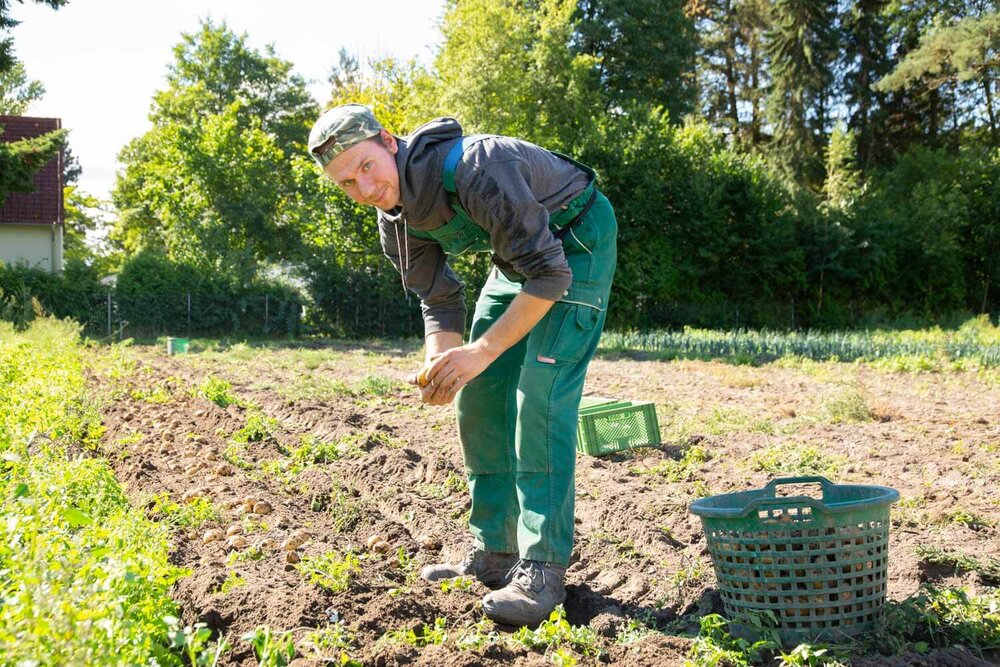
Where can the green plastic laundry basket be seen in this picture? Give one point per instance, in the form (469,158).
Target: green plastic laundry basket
(818,564)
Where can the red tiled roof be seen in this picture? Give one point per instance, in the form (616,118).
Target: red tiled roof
(45,204)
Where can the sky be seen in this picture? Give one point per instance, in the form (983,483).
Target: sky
(101,60)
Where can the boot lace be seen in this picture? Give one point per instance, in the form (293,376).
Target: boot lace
(529,575)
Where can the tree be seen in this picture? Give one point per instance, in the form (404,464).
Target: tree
(17,92)
(645,50)
(866,40)
(509,67)
(801,46)
(21,160)
(966,51)
(207,182)
(732,67)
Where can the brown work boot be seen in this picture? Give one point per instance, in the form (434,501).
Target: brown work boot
(489,567)
(534,590)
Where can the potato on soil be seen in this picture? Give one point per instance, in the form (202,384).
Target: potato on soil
(235,529)
(429,543)
(381,547)
(262,507)
(224,470)
(292,557)
(212,535)
(194,494)
(237,542)
(373,539)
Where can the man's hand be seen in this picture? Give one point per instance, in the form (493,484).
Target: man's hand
(453,369)
(450,365)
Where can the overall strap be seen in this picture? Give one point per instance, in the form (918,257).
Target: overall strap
(454,155)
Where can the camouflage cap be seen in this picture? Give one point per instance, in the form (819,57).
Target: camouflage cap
(340,128)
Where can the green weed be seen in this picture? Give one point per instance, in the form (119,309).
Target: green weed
(426,635)
(478,636)
(86,577)
(556,632)
(157,394)
(245,556)
(272,649)
(333,637)
(964,517)
(233,581)
(257,427)
(456,584)
(345,512)
(192,642)
(716,647)
(331,570)
(194,514)
(633,631)
(935,618)
(218,391)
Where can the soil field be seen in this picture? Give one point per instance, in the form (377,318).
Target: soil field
(348,461)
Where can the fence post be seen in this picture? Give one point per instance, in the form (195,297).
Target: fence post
(109,314)
(189,314)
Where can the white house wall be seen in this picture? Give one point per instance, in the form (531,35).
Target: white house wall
(40,246)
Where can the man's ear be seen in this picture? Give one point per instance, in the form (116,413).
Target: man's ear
(389,140)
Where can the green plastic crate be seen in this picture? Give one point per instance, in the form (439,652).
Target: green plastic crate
(607,425)
(819,565)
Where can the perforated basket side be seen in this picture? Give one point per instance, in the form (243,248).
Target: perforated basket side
(822,575)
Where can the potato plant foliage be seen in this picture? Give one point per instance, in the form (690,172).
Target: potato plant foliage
(84,577)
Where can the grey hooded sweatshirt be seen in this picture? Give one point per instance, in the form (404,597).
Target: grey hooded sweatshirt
(508,186)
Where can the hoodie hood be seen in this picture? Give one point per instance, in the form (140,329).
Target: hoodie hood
(419,160)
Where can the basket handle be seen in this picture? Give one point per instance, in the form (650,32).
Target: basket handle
(808,479)
(778,503)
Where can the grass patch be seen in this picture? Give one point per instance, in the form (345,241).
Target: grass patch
(963,517)
(311,386)
(719,421)
(847,407)
(988,568)
(796,459)
(683,469)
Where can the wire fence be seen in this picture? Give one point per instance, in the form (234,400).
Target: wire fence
(190,314)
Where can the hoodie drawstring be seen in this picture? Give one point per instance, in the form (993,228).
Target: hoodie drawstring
(404,260)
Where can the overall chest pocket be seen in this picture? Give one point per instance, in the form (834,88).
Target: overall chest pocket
(459,235)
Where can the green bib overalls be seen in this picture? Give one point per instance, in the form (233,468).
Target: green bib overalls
(517,421)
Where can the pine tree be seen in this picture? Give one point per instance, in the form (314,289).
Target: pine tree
(801,46)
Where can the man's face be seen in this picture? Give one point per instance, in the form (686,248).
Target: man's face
(367,172)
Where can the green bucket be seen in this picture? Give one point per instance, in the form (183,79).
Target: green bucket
(177,346)
(819,565)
